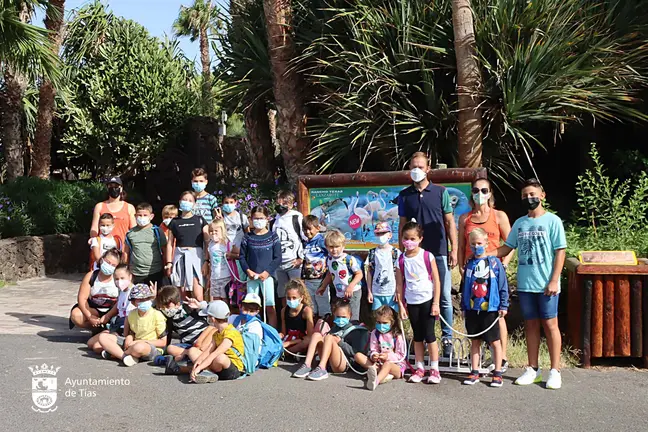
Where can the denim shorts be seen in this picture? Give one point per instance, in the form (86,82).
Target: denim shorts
(538,306)
(379,301)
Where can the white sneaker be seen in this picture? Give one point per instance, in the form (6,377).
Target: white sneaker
(129,361)
(529,376)
(372,382)
(387,379)
(555,380)
(505,366)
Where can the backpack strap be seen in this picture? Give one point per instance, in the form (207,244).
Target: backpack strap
(156,232)
(401,264)
(296,227)
(93,278)
(428,265)
(371,257)
(394,256)
(241,220)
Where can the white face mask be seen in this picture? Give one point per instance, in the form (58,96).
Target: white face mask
(418,175)
(259,223)
(383,239)
(167,221)
(480,198)
(105,230)
(142,220)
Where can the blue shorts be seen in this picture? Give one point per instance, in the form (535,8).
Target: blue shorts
(268,289)
(379,301)
(179,345)
(538,306)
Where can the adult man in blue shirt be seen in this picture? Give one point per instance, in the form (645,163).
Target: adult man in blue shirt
(430,205)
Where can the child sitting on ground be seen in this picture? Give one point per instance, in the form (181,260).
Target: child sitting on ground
(417,279)
(344,271)
(387,350)
(222,360)
(116,316)
(314,266)
(345,342)
(104,241)
(484,298)
(182,320)
(144,330)
(297,317)
(216,260)
(168,213)
(380,267)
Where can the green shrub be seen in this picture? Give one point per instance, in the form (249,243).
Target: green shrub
(32,206)
(611,214)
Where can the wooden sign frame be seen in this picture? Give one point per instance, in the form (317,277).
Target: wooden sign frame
(625,258)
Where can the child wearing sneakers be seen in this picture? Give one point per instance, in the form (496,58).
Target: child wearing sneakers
(417,280)
(222,360)
(314,265)
(144,330)
(344,272)
(484,299)
(539,238)
(381,270)
(104,241)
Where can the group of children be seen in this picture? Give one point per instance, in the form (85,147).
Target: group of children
(206,259)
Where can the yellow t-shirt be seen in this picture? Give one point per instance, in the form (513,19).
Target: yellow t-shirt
(148,327)
(237,342)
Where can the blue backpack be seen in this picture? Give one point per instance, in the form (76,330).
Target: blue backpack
(156,232)
(271,346)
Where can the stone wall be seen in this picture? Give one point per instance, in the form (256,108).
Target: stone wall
(28,257)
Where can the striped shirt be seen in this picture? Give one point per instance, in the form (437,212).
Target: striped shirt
(205,207)
(187,324)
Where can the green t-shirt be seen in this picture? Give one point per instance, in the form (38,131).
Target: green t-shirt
(145,256)
(445,201)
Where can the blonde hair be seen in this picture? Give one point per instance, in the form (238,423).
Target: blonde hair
(299,285)
(477,233)
(334,238)
(167,210)
(219,225)
(421,155)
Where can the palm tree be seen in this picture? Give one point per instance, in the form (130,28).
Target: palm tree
(41,158)
(199,21)
(469,125)
(287,88)
(25,54)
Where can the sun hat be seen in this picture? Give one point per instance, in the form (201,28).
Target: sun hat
(141,291)
(217,309)
(382,228)
(252,298)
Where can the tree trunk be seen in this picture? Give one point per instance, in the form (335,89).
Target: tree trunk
(287,89)
(41,157)
(258,133)
(468,86)
(206,73)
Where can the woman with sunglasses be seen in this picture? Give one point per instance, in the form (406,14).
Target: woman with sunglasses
(497,226)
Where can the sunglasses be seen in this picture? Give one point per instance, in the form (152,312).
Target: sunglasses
(482,190)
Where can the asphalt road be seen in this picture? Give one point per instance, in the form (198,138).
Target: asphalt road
(142,398)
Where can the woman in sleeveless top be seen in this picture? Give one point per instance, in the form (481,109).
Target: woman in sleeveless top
(497,226)
(122,212)
(97,294)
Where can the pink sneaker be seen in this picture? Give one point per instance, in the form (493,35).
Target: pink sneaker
(417,376)
(435,377)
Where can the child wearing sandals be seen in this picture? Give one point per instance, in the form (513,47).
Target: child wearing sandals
(297,317)
(417,281)
(387,349)
(344,342)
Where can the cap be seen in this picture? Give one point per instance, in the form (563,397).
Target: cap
(252,298)
(217,309)
(141,291)
(115,180)
(382,228)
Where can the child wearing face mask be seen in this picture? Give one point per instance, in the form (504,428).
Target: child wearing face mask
(381,269)
(314,266)
(387,350)
(297,317)
(104,241)
(260,258)
(216,260)
(345,342)
(206,204)
(168,213)
(144,247)
(236,223)
(417,281)
(145,333)
(188,233)
(484,299)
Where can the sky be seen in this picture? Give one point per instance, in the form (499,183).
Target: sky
(156,15)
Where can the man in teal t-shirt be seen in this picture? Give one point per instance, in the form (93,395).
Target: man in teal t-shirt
(539,238)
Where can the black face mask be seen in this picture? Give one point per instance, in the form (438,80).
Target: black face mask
(281,209)
(531,203)
(114,192)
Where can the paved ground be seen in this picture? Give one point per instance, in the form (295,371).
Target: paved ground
(33,331)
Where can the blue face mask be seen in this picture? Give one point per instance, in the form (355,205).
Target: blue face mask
(341,321)
(198,187)
(107,269)
(229,208)
(478,250)
(293,304)
(186,206)
(383,327)
(145,305)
